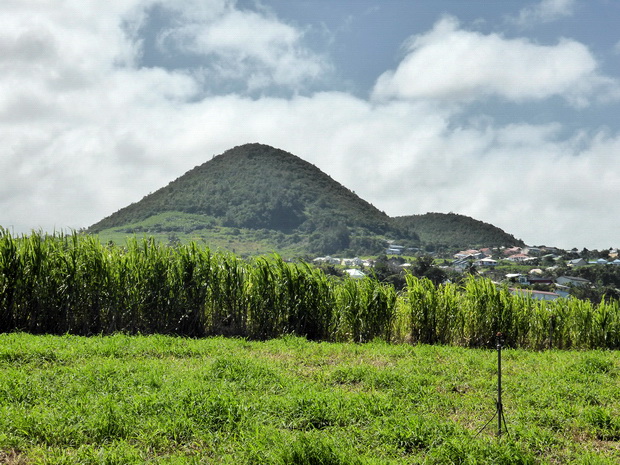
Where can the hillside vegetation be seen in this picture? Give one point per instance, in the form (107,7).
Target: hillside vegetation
(454,231)
(256,199)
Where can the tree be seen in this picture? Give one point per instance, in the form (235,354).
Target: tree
(471,269)
(173,240)
(424,268)
(387,270)
(332,240)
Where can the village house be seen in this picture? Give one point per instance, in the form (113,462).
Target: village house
(511,251)
(460,265)
(486,251)
(517,278)
(351,261)
(486,262)
(572,281)
(528,280)
(536,295)
(395,250)
(329,260)
(577,262)
(519,258)
(531,250)
(355,273)
(531,280)
(471,253)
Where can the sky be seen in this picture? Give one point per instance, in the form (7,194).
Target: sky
(507,112)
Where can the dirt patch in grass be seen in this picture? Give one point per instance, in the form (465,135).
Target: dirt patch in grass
(12,457)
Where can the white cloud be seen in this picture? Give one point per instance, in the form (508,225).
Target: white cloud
(454,65)
(544,12)
(242,45)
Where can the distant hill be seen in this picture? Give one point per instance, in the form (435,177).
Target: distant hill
(258,199)
(258,187)
(453,231)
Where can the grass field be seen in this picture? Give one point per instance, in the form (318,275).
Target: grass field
(157,399)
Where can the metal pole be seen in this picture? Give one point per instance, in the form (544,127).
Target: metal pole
(499,411)
(499,386)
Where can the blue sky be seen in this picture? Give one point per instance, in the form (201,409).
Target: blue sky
(503,111)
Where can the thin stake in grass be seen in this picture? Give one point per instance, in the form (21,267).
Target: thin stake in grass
(499,406)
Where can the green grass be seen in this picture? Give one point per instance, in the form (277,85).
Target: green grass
(165,400)
(183,228)
(178,227)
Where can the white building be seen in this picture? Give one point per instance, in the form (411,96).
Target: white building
(486,262)
(355,274)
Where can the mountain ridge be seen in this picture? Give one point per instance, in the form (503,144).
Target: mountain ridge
(440,229)
(255,187)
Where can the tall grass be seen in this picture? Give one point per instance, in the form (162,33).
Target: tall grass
(285,298)
(475,313)
(367,310)
(73,284)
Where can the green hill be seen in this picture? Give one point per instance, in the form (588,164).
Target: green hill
(256,199)
(453,231)
(251,188)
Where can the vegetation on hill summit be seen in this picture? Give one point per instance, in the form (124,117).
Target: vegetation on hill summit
(454,231)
